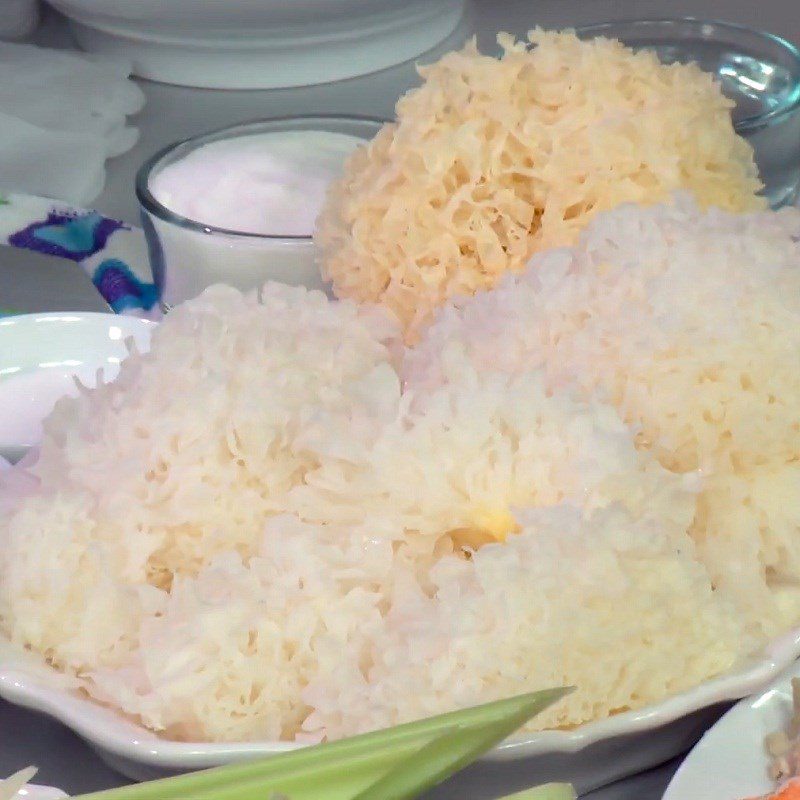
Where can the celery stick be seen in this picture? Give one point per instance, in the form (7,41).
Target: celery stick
(388,747)
(276,773)
(549,791)
(339,780)
(10,786)
(446,755)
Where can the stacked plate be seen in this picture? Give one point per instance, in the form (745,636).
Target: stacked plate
(242,44)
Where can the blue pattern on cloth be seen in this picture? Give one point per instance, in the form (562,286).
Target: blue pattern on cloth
(121,288)
(112,253)
(73,235)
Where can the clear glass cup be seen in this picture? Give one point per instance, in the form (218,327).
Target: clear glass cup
(760,72)
(188,255)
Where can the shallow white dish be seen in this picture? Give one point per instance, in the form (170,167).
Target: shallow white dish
(730,762)
(260,44)
(591,756)
(40,354)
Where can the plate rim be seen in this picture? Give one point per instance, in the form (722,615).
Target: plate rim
(33,689)
(747,707)
(10,320)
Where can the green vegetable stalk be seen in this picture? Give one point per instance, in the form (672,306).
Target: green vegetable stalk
(394,764)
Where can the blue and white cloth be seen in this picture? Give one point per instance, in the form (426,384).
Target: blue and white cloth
(113,253)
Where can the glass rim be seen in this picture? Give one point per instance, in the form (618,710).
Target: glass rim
(155,207)
(746,123)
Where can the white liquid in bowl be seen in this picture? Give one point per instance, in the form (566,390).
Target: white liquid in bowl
(271,183)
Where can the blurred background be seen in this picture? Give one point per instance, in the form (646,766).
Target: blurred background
(174,112)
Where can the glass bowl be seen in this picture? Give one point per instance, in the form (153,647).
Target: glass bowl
(760,72)
(188,255)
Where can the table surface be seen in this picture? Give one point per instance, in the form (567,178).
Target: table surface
(174,113)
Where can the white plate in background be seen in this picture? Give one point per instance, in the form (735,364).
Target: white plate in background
(269,44)
(42,354)
(730,762)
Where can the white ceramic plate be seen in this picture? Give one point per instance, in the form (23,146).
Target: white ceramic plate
(268,44)
(41,354)
(730,762)
(591,756)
